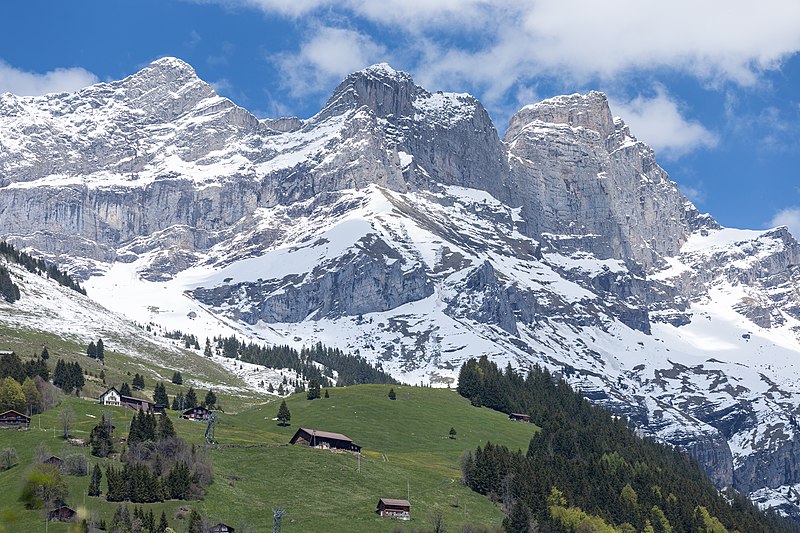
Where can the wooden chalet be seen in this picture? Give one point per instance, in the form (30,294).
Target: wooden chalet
(113,397)
(14,419)
(519,417)
(395,509)
(54,460)
(6,352)
(324,439)
(62,514)
(197,413)
(221,528)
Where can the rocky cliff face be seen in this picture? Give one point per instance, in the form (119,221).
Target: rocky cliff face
(397,224)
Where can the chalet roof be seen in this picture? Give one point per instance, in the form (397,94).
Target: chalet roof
(109,390)
(520,415)
(133,399)
(12,412)
(197,408)
(394,503)
(326,434)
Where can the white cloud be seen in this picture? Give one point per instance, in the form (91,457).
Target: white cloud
(326,58)
(789,217)
(658,122)
(24,83)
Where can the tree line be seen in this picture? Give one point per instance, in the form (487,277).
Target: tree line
(586,470)
(39,267)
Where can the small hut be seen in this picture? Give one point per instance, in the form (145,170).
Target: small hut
(62,514)
(14,419)
(519,417)
(395,509)
(54,460)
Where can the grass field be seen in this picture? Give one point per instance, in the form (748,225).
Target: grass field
(406,453)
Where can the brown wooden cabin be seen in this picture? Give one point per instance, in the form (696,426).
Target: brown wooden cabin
(54,460)
(221,528)
(196,413)
(324,439)
(62,514)
(519,417)
(14,419)
(395,509)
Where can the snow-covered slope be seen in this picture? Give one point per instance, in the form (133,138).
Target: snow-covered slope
(397,224)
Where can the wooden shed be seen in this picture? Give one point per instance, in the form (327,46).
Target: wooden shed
(324,439)
(221,528)
(519,417)
(395,509)
(54,460)
(14,419)
(62,514)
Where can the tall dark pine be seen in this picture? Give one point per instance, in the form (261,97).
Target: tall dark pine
(177,379)
(160,395)
(162,523)
(283,414)
(210,400)
(94,484)
(313,389)
(45,354)
(125,390)
(91,350)
(100,350)
(191,399)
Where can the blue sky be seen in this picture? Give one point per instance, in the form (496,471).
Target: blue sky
(713,86)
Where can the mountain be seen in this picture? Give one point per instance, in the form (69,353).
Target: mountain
(398,225)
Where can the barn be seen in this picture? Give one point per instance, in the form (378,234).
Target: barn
(113,397)
(395,509)
(62,514)
(324,439)
(14,419)
(519,417)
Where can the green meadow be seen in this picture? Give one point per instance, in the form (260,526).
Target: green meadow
(407,453)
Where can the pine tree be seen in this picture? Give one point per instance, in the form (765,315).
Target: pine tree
(177,379)
(207,350)
(392,395)
(125,390)
(94,484)
(165,428)
(45,354)
(138,382)
(160,395)
(101,438)
(326,394)
(91,350)
(191,399)
(452,433)
(313,390)
(162,523)
(283,414)
(60,373)
(100,350)
(195,522)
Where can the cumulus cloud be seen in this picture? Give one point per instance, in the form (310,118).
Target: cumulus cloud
(789,217)
(326,58)
(24,83)
(658,121)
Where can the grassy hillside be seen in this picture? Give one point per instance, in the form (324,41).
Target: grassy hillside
(406,450)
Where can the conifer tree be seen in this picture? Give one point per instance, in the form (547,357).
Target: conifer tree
(207,350)
(91,350)
(313,390)
(45,354)
(177,379)
(101,438)
(392,395)
(125,390)
(100,350)
(210,400)
(165,428)
(191,399)
(162,523)
(160,395)
(94,484)
(283,414)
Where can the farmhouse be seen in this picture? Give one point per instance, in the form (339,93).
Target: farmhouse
(324,439)
(221,528)
(113,397)
(196,413)
(395,509)
(520,417)
(14,419)
(61,514)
